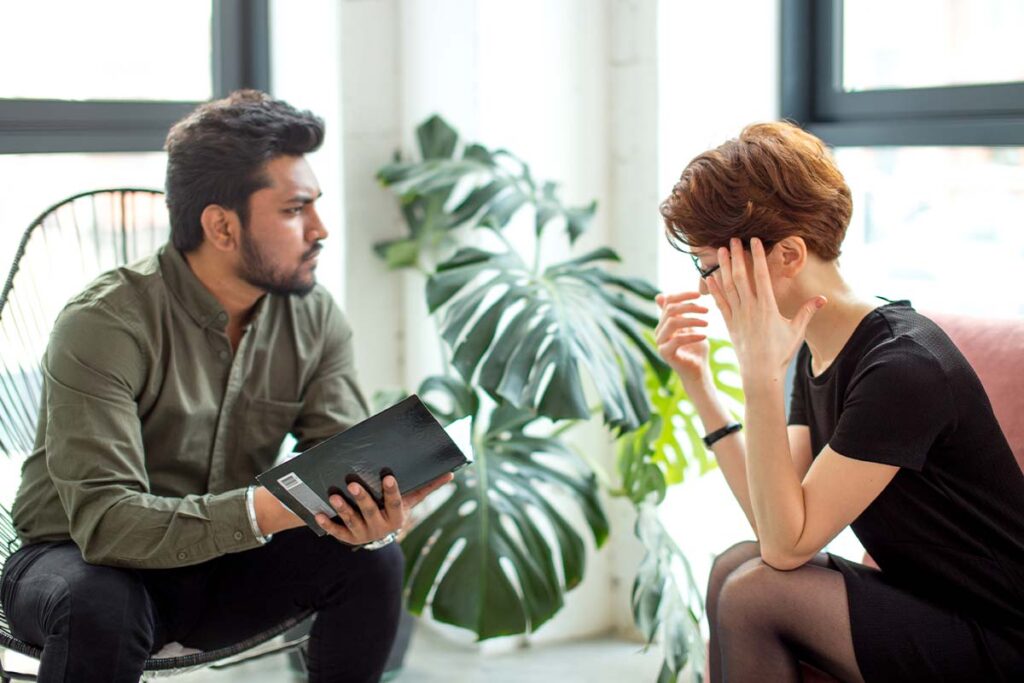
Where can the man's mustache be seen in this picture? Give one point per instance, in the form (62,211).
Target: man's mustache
(313,251)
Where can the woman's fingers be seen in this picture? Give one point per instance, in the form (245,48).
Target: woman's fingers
(762,278)
(676,304)
(715,289)
(675,324)
(676,309)
(724,279)
(666,299)
(669,349)
(740,276)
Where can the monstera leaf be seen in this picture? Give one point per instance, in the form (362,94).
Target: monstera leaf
(485,559)
(527,339)
(666,598)
(671,441)
(649,460)
(494,186)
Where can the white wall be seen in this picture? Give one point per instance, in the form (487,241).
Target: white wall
(608,97)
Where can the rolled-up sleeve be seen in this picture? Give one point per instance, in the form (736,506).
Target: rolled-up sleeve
(95,368)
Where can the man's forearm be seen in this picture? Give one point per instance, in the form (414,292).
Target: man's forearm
(271,515)
(776,493)
(730,451)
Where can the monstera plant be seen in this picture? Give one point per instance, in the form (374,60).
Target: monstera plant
(532,348)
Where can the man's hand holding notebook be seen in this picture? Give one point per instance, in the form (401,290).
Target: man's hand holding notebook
(359,485)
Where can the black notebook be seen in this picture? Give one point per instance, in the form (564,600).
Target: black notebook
(405,440)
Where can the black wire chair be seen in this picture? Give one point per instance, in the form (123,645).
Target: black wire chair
(63,249)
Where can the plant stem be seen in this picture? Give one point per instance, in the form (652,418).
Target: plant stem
(536,254)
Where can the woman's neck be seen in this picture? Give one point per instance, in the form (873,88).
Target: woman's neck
(832,326)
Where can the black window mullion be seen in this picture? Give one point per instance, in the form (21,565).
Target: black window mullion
(241,45)
(813,95)
(241,58)
(28,126)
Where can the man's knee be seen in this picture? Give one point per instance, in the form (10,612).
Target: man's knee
(89,608)
(109,602)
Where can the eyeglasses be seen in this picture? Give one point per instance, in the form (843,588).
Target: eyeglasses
(704,273)
(707,272)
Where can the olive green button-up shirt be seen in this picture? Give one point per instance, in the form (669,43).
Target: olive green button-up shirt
(152,427)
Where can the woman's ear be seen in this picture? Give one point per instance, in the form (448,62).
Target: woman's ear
(221,227)
(791,254)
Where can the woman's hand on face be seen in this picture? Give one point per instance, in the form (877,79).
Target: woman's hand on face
(764,339)
(680,341)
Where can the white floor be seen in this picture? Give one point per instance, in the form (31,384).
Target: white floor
(432,659)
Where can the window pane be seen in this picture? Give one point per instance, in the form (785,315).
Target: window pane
(940,226)
(106,50)
(931,43)
(31,183)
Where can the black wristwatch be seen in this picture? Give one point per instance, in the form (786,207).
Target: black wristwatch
(719,434)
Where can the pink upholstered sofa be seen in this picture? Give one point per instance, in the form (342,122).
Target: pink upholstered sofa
(995,348)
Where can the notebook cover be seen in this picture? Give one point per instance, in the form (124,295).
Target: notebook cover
(405,440)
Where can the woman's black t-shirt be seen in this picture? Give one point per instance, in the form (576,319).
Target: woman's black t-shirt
(950,525)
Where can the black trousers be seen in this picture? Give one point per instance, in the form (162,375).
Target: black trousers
(97,623)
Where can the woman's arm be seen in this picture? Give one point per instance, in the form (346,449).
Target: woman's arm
(685,350)
(795,517)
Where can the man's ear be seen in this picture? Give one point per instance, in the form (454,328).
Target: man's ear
(791,255)
(221,227)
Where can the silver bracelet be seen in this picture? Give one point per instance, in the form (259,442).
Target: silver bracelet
(380,542)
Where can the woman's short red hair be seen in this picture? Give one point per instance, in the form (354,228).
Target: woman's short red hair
(773,181)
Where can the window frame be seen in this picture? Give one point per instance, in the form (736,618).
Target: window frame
(811,94)
(240,59)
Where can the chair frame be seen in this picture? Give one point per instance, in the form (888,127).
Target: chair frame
(255,647)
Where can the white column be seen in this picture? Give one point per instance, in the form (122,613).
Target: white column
(633,217)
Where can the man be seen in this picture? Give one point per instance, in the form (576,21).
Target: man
(169,384)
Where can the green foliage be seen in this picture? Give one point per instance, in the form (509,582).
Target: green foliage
(665,598)
(496,186)
(671,441)
(525,339)
(497,556)
(649,460)
(527,348)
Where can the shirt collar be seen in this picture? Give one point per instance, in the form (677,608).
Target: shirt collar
(197,300)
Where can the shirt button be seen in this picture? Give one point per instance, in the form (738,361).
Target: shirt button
(239,535)
(223,354)
(222,317)
(182,555)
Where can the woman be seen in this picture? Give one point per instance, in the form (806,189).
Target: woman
(889,430)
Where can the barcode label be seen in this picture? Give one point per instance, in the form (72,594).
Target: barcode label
(305,495)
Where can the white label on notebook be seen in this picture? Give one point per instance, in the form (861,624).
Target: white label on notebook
(305,495)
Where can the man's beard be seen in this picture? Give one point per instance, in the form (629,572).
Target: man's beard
(256,271)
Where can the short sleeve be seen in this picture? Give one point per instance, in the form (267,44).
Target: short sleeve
(797,396)
(897,405)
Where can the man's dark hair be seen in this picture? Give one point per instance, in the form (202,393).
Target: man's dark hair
(216,155)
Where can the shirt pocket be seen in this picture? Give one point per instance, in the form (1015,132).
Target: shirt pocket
(267,423)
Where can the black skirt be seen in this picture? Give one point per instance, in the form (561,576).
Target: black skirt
(899,636)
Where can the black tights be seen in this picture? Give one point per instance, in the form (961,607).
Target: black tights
(764,622)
